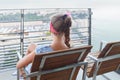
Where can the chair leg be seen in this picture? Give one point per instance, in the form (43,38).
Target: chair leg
(17,74)
(84,71)
(96,70)
(38,77)
(18,70)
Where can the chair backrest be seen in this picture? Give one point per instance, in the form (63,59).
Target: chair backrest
(111,48)
(56,59)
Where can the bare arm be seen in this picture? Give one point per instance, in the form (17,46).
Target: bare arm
(25,60)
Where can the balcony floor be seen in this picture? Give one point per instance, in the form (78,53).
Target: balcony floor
(7,75)
(108,76)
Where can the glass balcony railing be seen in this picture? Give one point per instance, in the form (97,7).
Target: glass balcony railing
(19,28)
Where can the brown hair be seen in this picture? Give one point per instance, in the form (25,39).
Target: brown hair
(62,23)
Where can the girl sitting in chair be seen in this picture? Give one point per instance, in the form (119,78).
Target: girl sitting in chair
(60,30)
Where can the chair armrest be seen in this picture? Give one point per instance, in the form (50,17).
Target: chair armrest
(19,55)
(92,57)
(23,72)
(102,43)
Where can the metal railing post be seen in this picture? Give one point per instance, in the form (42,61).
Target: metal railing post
(21,37)
(89,26)
(22,32)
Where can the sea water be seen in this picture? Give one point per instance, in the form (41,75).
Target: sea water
(104,30)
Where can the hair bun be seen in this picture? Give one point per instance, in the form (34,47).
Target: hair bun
(64,16)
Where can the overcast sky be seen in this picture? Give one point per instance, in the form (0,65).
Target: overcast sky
(56,3)
(107,8)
